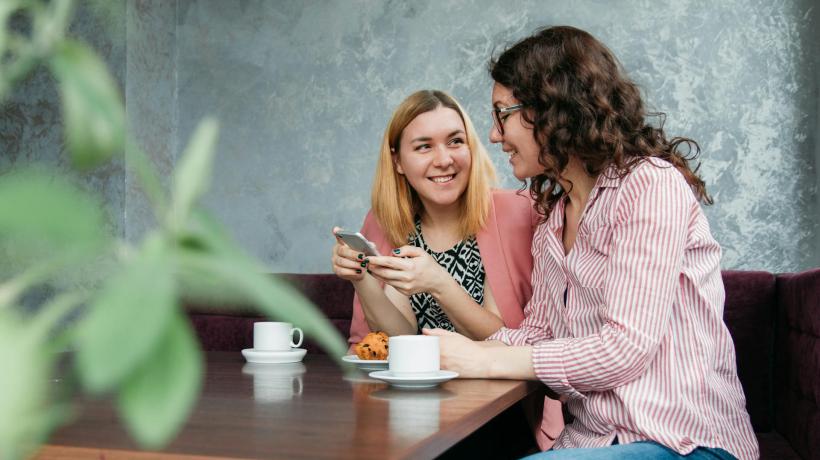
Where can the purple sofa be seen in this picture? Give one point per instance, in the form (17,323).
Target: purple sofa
(774,321)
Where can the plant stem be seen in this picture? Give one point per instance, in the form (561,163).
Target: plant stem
(147,177)
(49,24)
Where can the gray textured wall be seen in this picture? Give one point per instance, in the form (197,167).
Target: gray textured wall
(303,91)
(31,119)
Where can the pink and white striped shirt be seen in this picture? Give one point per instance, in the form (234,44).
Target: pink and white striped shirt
(639,348)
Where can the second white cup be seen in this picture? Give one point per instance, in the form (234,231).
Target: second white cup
(271,336)
(413,355)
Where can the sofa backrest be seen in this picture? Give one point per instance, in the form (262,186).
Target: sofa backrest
(749,315)
(230,327)
(331,294)
(797,361)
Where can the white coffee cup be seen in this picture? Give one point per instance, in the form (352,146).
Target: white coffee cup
(413,355)
(271,336)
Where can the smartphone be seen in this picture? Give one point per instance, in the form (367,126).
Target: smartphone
(358,242)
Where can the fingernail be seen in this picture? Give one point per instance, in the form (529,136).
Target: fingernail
(368,271)
(367,261)
(360,256)
(396,251)
(358,270)
(364,264)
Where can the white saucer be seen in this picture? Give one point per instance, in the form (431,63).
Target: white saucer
(366,364)
(414,382)
(294,355)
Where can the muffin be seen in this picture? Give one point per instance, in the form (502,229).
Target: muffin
(373,346)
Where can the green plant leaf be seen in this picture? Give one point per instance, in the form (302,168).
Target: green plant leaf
(191,178)
(24,365)
(274,297)
(158,397)
(49,215)
(128,318)
(92,107)
(138,162)
(207,252)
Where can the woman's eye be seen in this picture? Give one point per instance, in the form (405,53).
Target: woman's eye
(505,116)
(421,147)
(456,141)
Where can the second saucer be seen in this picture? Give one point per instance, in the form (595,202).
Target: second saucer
(293,355)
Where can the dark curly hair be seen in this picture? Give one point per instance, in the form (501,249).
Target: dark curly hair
(581,104)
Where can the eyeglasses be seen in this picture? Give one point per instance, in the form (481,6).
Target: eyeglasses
(500,114)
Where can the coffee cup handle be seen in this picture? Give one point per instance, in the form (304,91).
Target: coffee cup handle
(301,337)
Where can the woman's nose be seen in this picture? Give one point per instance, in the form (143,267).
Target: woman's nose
(495,136)
(442,157)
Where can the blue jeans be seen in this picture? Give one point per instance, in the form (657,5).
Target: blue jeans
(637,450)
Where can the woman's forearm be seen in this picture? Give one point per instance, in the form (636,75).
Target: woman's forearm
(469,318)
(379,311)
(509,363)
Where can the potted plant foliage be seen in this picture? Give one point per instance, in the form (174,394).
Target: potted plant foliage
(120,330)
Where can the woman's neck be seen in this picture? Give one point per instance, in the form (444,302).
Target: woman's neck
(440,226)
(579,184)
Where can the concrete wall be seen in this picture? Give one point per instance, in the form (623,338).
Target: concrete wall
(303,91)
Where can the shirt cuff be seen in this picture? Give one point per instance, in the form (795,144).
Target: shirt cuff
(511,337)
(548,362)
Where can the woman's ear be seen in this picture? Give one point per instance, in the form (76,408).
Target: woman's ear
(396,163)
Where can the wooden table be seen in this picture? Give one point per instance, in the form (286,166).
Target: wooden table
(312,409)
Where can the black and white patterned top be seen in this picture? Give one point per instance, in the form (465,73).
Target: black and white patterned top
(463,263)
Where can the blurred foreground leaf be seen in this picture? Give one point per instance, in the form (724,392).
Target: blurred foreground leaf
(92,109)
(157,399)
(193,173)
(47,214)
(26,360)
(128,318)
(211,254)
(24,371)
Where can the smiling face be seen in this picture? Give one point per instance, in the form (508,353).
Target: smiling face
(518,140)
(434,157)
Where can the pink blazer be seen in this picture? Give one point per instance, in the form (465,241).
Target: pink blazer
(505,245)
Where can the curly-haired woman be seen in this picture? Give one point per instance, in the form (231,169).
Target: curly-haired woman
(626,318)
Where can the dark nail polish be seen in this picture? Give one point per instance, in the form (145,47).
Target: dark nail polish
(396,251)
(358,270)
(360,256)
(368,271)
(367,261)
(364,264)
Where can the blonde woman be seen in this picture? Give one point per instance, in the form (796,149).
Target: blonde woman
(455,252)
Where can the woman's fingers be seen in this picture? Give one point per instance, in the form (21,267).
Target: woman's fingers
(437,332)
(387,275)
(342,250)
(408,251)
(389,262)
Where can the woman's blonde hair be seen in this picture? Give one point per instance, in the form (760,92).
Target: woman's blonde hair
(394,201)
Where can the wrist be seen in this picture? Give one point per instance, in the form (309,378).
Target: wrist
(443,283)
(491,368)
(362,283)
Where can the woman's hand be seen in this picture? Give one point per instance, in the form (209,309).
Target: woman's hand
(409,270)
(347,263)
(460,354)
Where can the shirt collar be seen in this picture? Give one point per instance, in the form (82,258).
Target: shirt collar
(607,179)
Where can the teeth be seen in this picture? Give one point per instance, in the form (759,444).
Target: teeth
(441,179)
